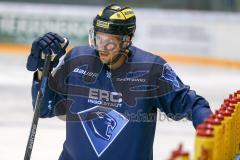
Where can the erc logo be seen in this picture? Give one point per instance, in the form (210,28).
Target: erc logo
(105,95)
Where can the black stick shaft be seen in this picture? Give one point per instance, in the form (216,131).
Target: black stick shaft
(40,95)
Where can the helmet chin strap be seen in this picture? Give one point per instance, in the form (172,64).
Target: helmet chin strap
(116,58)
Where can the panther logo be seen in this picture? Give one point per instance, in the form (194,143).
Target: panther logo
(103,125)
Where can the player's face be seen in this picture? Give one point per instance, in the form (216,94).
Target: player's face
(108,46)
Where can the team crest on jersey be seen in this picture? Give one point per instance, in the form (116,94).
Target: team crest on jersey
(102,125)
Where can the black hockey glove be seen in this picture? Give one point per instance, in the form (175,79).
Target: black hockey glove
(50,43)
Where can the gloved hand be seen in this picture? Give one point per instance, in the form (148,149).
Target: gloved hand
(50,42)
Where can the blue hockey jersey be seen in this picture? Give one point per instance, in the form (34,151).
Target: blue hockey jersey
(111,114)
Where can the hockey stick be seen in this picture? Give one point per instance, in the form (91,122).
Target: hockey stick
(40,94)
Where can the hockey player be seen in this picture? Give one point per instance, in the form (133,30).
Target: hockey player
(110,91)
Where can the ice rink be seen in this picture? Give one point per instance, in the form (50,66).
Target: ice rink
(16,111)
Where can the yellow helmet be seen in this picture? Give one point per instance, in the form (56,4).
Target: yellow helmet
(115,19)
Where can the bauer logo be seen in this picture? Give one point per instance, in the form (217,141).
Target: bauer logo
(84,72)
(102,125)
